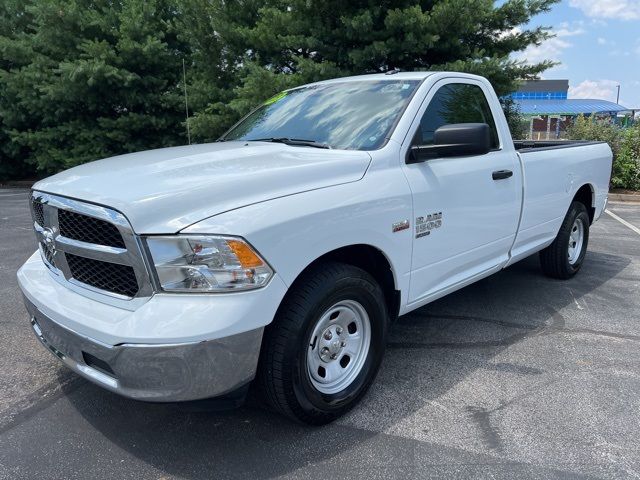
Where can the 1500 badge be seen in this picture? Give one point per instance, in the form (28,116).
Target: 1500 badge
(425,224)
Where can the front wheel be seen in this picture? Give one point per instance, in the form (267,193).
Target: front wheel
(324,348)
(564,257)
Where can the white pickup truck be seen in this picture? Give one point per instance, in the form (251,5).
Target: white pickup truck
(284,251)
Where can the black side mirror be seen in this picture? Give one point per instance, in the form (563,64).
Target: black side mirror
(454,140)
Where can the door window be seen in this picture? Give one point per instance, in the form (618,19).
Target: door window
(456,103)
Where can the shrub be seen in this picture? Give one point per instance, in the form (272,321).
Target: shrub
(590,128)
(624,143)
(626,168)
(518,125)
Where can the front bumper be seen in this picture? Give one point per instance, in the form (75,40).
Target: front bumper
(162,373)
(169,348)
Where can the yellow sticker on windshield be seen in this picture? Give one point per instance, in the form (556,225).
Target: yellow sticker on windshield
(275,98)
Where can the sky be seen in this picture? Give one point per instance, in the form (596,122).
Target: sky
(597,43)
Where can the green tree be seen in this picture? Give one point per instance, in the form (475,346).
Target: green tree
(85,79)
(518,125)
(14,21)
(626,168)
(282,43)
(624,143)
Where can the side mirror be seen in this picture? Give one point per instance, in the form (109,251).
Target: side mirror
(454,140)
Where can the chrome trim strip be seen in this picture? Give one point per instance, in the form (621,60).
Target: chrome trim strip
(94,251)
(97,211)
(93,289)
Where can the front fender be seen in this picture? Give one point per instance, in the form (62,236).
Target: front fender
(293,231)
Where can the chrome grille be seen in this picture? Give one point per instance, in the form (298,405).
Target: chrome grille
(89,229)
(120,279)
(38,213)
(90,246)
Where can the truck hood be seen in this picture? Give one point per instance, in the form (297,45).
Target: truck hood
(166,190)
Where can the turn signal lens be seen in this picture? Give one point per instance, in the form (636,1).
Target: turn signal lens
(246,256)
(204,263)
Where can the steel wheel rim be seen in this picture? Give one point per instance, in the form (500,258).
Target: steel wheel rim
(576,239)
(338,347)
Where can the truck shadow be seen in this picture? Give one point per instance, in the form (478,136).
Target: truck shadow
(430,352)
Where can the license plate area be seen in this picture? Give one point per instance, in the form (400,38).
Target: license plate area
(47,342)
(73,351)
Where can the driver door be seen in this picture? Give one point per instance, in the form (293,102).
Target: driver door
(465,221)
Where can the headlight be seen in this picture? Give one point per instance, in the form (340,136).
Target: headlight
(206,263)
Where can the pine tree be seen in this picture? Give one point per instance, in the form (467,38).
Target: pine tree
(282,44)
(14,20)
(86,79)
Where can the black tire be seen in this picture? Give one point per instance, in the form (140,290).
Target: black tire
(283,379)
(555,259)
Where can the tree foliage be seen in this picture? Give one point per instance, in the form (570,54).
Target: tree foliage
(281,44)
(518,124)
(624,143)
(85,79)
(626,170)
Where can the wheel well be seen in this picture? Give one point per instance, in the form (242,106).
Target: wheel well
(375,263)
(584,195)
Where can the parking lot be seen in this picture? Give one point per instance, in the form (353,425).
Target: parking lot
(517,376)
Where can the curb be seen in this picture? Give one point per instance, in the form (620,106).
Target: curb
(624,197)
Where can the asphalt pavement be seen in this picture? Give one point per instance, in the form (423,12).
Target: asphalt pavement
(516,376)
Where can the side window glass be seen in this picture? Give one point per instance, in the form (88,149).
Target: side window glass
(456,103)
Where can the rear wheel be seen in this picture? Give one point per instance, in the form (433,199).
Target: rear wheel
(564,257)
(324,348)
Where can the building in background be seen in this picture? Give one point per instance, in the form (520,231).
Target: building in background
(545,105)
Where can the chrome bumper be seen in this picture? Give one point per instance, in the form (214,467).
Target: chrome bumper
(150,372)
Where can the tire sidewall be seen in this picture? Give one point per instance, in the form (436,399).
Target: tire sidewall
(368,295)
(577,211)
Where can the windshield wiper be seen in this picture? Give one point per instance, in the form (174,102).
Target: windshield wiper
(292,141)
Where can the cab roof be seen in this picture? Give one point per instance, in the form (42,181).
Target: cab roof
(380,76)
(420,76)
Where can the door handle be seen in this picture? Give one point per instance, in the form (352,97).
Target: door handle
(501,174)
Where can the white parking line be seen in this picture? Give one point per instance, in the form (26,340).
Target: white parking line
(623,221)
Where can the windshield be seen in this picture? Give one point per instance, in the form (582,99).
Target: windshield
(349,115)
